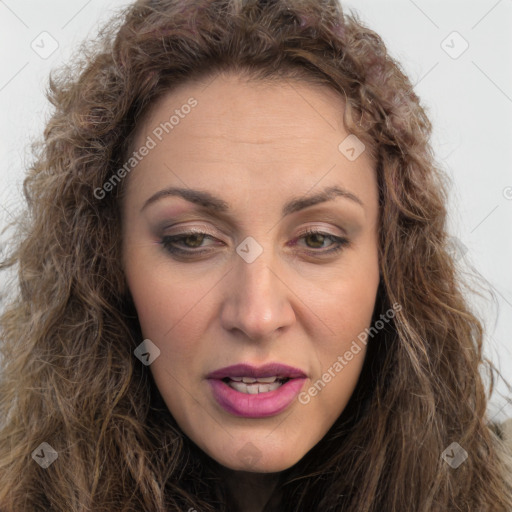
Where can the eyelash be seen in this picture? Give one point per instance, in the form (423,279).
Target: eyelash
(167,241)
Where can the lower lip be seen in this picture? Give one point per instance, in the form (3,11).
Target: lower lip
(259,405)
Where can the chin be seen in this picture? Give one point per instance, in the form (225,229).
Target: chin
(252,460)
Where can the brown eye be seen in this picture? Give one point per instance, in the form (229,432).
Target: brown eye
(318,238)
(185,243)
(194,240)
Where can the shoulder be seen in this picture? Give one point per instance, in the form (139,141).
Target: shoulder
(504,443)
(503,431)
(506,427)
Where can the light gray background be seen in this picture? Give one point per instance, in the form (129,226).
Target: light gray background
(468,95)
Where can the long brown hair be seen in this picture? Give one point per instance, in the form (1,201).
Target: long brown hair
(69,377)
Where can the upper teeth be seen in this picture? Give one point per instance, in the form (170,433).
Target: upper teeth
(250,380)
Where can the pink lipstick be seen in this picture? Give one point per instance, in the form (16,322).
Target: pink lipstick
(256,392)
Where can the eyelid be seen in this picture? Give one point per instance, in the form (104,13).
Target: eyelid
(338,243)
(305,231)
(199,229)
(204,229)
(323,229)
(325,212)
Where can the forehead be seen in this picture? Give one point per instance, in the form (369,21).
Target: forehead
(250,110)
(248,131)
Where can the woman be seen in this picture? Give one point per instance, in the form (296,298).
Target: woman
(236,291)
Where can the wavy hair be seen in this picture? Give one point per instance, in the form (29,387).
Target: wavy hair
(69,376)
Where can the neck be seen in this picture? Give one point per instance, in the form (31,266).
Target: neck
(250,492)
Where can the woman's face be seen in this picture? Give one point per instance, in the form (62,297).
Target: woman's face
(250,286)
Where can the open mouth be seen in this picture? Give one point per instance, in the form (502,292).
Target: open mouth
(254,386)
(266,396)
(253,391)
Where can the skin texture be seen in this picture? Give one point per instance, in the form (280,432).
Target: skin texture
(256,146)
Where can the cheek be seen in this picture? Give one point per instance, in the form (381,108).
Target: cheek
(349,319)
(350,300)
(169,314)
(347,310)
(340,357)
(164,302)
(173,312)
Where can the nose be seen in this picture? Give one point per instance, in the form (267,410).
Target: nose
(258,301)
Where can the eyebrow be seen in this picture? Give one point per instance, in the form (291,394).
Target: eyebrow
(216,204)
